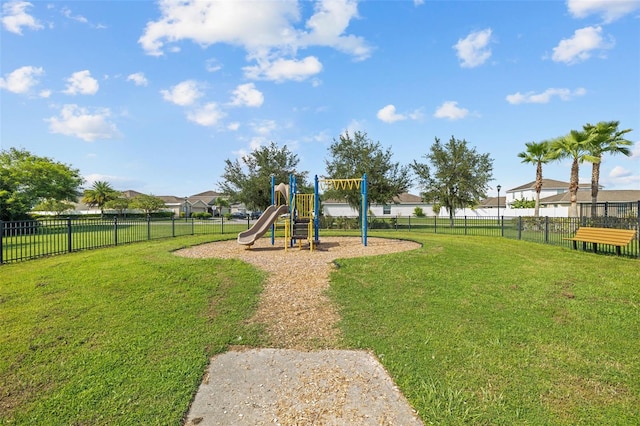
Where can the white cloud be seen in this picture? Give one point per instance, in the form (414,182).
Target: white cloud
(15,17)
(81,83)
(208,115)
(418,2)
(79,18)
(450,110)
(328,24)
(45,93)
(355,126)
(284,69)
(619,172)
(635,151)
(183,94)
(233,126)
(544,97)
(212,65)
(254,25)
(266,30)
(619,176)
(580,47)
(473,50)
(117,181)
(138,79)
(388,114)
(256,142)
(247,95)
(21,80)
(79,122)
(610,10)
(264,127)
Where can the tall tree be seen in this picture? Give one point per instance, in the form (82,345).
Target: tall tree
(56,206)
(27,180)
(537,153)
(146,203)
(119,204)
(221,204)
(248,180)
(607,139)
(99,194)
(352,157)
(575,146)
(460,175)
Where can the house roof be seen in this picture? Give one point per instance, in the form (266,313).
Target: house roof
(130,193)
(548,184)
(492,202)
(207,194)
(609,196)
(170,199)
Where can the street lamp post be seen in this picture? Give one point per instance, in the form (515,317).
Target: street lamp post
(498,188)
(186,209)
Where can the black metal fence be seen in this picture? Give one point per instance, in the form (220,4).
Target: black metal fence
(30,239)
(610,210)
(24,240)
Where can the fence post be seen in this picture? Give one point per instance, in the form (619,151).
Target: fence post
(465,225)
(221,223)
(520,227)
(115,230)
(69,235)
(502,226)
(148,227)
(1,238)
(409,223)
(173,226)
(435,224)
(193,225)
(546,229)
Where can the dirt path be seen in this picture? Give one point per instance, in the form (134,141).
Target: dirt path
(294,386)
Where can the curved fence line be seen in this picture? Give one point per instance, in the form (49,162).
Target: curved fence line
(25,240)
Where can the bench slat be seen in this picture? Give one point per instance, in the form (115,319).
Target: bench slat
(611,236)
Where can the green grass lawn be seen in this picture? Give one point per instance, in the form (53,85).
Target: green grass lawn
(494,331)
(474,330)
(117,335)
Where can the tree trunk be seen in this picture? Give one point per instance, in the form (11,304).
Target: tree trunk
(573,189)
(595,179)
(538,188)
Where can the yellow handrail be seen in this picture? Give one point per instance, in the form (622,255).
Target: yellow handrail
(340,183)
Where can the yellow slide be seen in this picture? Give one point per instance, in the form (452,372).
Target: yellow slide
(262,225)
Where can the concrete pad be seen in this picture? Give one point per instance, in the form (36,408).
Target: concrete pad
(285,387)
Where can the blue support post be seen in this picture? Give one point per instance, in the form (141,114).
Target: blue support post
(292,205)
(273,201)
(365,209)
(316,211)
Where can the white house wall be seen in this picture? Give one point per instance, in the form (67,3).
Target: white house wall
(343,210)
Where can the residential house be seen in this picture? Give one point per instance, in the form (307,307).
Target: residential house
(206,202)
(550,187)
(402,205)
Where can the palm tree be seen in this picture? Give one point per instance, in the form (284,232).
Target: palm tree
(99,194)
(575,145)
(606,139)
(537,153)
(221,203)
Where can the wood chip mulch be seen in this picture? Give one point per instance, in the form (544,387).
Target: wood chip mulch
(294,305)
(294,383)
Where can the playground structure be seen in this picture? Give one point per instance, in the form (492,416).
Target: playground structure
(298,214)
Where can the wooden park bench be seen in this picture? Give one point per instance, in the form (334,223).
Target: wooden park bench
(595,236)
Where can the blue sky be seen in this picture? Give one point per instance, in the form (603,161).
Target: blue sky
(154,96)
